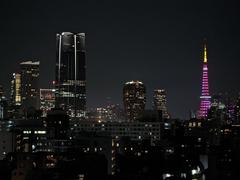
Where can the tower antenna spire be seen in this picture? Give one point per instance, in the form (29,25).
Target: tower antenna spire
(205,51)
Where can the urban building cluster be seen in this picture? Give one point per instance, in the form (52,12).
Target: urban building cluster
(49,133)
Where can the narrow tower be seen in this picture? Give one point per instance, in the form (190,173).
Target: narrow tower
(205,97)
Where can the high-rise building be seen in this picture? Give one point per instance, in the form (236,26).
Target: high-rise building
(30,84)
(47,100)
(205,97)
(218,108)
(134,99)
(160,104)
(16,99)
(70,82)
(3,104)
(14,111)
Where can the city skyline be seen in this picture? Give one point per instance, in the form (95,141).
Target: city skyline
(121,48)
(119,90)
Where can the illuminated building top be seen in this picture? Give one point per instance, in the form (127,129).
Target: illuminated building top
(30,63)
(205,53)
(134,82)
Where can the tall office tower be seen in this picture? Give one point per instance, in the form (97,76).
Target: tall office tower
(205,97)
(134,99)
(160,104)
(16,99)
(30,84)
(47,100)
(70,82)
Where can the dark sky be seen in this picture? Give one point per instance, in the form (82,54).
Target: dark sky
(157,42)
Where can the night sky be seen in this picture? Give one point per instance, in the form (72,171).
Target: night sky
(157,42)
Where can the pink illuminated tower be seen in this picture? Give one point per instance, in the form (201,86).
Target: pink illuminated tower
(205,97)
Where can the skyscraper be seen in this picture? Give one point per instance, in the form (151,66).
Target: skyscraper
(205,97)
(160,104)
(70,82)
(16,89)
(134,99)
(30,84)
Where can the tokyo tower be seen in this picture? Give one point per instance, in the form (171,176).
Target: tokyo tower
(205,97)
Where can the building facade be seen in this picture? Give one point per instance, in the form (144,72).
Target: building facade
(136,131)
(160,104)
(111,112)
(134,99)
(47,100)
(30,84)
(70,82)
(3,104)
(16,89)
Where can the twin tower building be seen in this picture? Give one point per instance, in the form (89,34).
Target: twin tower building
(70,75)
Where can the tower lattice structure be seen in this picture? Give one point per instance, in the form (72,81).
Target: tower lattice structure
(205,97)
